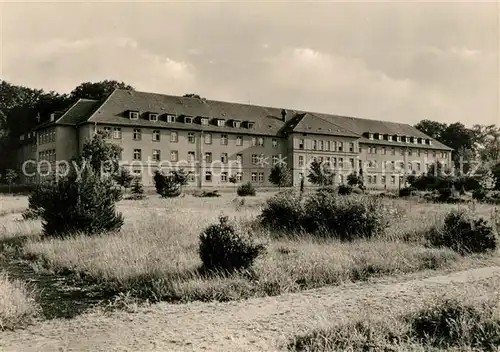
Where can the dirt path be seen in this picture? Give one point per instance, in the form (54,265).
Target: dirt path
(261,324)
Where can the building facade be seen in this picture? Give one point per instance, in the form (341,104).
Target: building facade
(216,140)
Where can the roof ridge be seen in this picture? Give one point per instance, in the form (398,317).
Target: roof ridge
(68,110)
(102,104)
(332,123)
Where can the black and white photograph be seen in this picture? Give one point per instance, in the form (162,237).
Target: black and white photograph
(249,176)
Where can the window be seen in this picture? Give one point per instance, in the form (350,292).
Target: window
(117,133)
(156,154)
(107,132)
(301,144)
(191,157)
(321,145)
(239,140)
(301,160)
(341,163)
(153,117)
(137,134)
(236,124)
(170,118)
(410,152)
(156,135)
(208,138)
(351,147)
(190,177)
(254,141)
(351,161)
(174,155)
(384,151)
(208,157)
(433,153)
(374,179)
(137,154)
(191,138)
(327,146)
(426,152)
(393,165)
(254,177)
(223,177)
(341,178)
(393,151)
(401,165)
(239,176)
(208,176)
(133,115)
(239,158)
(401,151)
(418,167)
(174,137)
(223,139)
(340,146)
(204,121)
(418,152)
(137,173)
(261,177)
(260,141)
(250,124)
(275,159)
(369,179)
(255,159)
(383,180)
(334,162)
(221,122)
(372,163)
(393,180)
(410,167)
(275,143)
(223,158)
(188,119)
(315,145)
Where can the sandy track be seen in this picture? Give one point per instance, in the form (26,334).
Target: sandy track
(261,324)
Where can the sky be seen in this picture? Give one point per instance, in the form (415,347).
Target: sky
(394,61)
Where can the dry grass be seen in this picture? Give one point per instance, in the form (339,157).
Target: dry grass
(155,254)
(17,303)
(12,204)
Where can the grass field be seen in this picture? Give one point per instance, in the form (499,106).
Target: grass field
(155,255)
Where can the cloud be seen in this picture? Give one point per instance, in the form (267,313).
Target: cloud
(65,64)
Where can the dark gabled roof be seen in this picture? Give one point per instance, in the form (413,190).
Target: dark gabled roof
(78,113)
(311,123)
(267,120)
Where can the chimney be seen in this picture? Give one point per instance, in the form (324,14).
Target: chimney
(283,115)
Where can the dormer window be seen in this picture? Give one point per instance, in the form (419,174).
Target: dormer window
(380,136)
(188,119)
(153,116)
(236,124)
(133,115)
(429,142)
(250,124)
(221,122)
(170,118)
(398,138)
(204,121)
(370,135)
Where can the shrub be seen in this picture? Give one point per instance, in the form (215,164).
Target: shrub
(137,189)
(223,248)
(246,189)
(166,185)
(36,200)
(464,233)
(329,190)
(344,217)
(453,323)
(207,194)
(406,192)
(344,190)
(284,212)
(80,204)
(479,194)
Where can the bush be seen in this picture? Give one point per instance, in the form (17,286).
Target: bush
(166,186)
(83,204)
(284,212)
(344,190)
(36,200)
(344,217)
(329,190)
(223,248)
(464,233)
(453,323)
(479,194)
(406,192)
(246,189)
(137,189)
